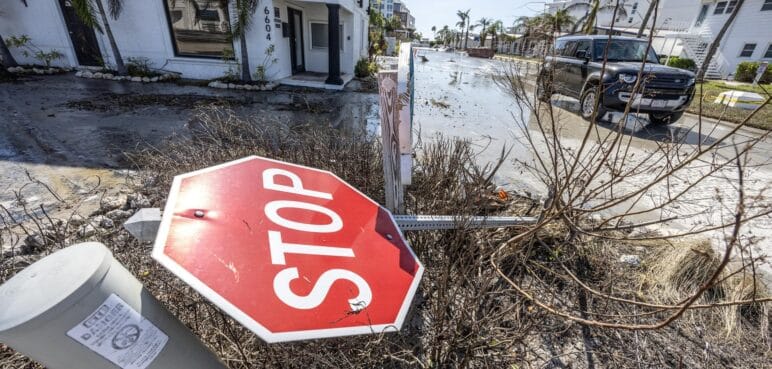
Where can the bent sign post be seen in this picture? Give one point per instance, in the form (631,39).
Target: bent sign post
(290,252)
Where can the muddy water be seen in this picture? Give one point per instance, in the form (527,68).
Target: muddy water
(71,133)
(456,96)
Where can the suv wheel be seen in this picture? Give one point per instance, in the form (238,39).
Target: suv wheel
(664,119)
(587,104)
(543,92)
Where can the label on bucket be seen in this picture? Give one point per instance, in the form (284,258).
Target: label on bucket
(120,334)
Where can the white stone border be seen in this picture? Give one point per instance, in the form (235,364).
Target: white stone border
(38,71)
(110,76)
(233,86)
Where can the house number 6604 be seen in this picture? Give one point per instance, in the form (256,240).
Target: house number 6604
(267,23)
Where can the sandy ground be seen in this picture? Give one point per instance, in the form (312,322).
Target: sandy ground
(481,112)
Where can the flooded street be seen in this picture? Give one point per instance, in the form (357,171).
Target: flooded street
(478,110)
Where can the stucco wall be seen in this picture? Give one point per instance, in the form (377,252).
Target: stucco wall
(142,30)
(43,22)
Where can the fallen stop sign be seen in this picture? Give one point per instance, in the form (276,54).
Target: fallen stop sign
(290,252)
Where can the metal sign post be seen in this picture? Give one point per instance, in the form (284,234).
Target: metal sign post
(405,91)
(395,198)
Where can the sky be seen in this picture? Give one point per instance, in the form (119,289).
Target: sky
(438,13)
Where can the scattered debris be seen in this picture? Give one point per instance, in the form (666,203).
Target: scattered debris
(631,260)
(440,104)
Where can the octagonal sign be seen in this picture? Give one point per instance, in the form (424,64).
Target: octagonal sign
(290,252)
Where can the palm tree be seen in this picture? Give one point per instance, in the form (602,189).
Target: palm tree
(484,23)
(592,7)
(496,29)
(85,11)
(445,35)
(715,44)
(559,21)
(434,31)
(460,24)
(245,9)
(468,25)
(531,25)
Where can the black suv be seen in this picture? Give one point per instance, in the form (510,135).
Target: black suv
(574,70)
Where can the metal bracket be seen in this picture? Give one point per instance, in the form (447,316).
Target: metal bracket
(434,222)
(144,224)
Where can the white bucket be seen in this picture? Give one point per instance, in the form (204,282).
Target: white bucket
(79,308)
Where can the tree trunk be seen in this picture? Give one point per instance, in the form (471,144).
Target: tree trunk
(6,56)
(717,41)
(466,37)
(119,66)
(652,5)
(245,75)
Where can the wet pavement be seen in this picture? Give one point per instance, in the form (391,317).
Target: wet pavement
(71,133)
(473,107)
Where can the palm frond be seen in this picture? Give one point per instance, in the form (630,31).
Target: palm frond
(245,9)
(115,7)
(84,9)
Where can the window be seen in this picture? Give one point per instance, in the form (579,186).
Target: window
(568,51)
(201,32)
(720,6)
(583,45)
(560,47)
(630,20)
(767,5)
(768,54)
(731,6)
(320,38)
(747,51)
(624,50)
(702,15)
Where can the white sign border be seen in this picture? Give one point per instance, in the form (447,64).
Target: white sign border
(243,318)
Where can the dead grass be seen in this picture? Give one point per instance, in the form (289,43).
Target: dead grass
(464,315)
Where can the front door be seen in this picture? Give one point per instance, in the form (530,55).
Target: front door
(83,37)
(296,40)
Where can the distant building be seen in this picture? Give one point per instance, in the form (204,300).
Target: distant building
(385,7)
(686,28)
(397,8)
(407,21)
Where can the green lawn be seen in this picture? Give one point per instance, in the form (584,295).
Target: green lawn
(711,89)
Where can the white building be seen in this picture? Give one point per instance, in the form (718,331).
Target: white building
(749,38)
(175,37)
(385,7)
(688,27)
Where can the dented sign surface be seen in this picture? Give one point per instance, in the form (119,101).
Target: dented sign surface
(290,252)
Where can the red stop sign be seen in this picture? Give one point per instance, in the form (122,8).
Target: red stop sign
(291,252)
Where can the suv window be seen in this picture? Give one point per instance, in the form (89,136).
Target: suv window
(625,50)
(569,50)
(560,46)
(583,45)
